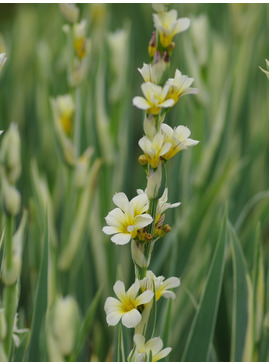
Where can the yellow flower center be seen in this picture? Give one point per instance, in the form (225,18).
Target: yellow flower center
(128,306)
(66,123)
(80,47)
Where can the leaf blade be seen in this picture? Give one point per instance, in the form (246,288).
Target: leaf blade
(41,300)
(202,329)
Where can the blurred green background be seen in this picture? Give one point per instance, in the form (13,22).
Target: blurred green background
(222,51)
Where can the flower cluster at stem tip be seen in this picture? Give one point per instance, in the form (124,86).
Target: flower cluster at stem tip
(141,219)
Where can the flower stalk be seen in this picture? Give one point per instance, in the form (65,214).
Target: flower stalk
(141,220)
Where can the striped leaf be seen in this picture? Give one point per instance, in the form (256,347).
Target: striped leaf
(199,342)
(242,311)
(41,302)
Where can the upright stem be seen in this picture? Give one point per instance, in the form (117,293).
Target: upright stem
(142,272)
(77,119)
(10,291)
(8,240)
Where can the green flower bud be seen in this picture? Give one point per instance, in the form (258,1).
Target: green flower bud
(62,328)
(138,254)
(10,155)
(156,182)
(70,12)
(12,275)
(11,198)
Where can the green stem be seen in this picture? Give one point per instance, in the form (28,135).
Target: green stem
(77,119)
(142,272)
(8,240)
(10,311)
(10,291)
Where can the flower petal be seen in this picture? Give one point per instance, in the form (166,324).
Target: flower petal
(139,341)
(121,239)
(115,218)
(133,290)
(131,319)
(141,103)
(191,142)
(113,318)
(145,297)
(162,354)
(182,25)
(121,200)
(155,345)
(109,230)
(142,221)
(167,103)
(171,282)
(119,289)
(140,203)
(112,305)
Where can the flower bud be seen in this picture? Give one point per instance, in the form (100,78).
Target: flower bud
(159,8)
(156,182)
(11,276)
(167,228)
(10,155)
(142,159)
(152,45)
(11,198)
(63,109)
(62,328)
(138,254)
(81,43)
(70,12)
(149,126)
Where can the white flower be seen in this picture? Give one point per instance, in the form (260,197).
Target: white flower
(179,86)
(3,59)
(64,111)
(168,26)
(178,138)
(162,285)
(163,205)
(143,349)
(153,72)
(155,148)
(155,98)
(125,220)
(81,43)
(125,308)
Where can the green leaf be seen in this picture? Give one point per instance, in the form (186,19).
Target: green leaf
(198,346)
(20,352)
(152,317)
(120,346)
(86,325)
(242,313)
(166,322)
(258,279)
(41,301)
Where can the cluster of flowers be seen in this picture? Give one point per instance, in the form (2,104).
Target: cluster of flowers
(141,220)
(79,44)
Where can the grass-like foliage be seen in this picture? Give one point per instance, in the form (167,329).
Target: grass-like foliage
(82,130)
